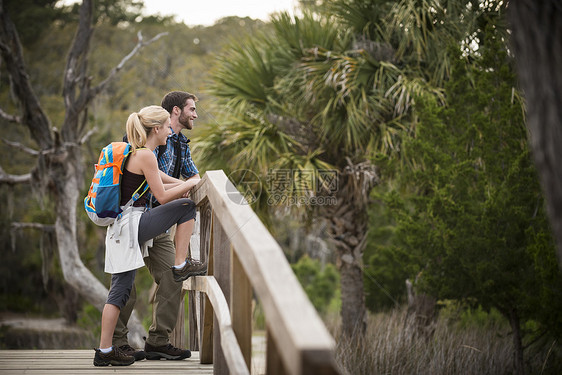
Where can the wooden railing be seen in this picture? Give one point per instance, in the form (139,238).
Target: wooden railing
(243,259)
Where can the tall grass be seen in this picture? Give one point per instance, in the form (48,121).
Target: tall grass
(393,345)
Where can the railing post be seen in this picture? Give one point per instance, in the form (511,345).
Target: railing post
(177,336)
(205,335)
(221,271)
(241,307)
(273,361)
(194,297)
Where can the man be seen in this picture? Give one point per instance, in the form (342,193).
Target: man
(174,161)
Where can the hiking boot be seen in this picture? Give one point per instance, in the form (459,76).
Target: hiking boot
(192,267)
(166,351)
(116,357)
(139,355)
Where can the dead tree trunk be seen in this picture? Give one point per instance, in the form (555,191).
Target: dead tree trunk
(537,45)
(517,342)
(59,169)
(421,311)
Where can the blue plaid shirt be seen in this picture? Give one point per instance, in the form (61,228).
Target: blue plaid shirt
(167,161)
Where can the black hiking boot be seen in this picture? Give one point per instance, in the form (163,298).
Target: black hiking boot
(192,268)
(116,357)
(139,355)
(166,351)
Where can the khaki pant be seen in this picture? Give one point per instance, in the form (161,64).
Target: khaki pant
(167,298)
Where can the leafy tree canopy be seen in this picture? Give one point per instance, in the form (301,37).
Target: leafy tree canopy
(472,221)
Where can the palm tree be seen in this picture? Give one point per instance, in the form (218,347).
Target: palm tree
(315,94)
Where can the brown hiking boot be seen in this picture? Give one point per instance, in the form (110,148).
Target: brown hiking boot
(116,357)
(139,355)
(165,351)
(192,268)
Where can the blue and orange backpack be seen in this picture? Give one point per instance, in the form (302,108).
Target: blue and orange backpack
(102,202)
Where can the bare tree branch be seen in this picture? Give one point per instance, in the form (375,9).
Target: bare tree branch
(86,136)
(10,118)
(140,44)
(21,147)
(76,81)
(12,179)
(77,93)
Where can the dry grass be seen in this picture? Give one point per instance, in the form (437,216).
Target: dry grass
(393,346)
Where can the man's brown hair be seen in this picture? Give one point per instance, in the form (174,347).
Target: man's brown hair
(176,99)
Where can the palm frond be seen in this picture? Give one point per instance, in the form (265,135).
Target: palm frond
(245,74)
(360,16)
(298,34)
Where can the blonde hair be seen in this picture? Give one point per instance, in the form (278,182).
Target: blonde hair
(140,124)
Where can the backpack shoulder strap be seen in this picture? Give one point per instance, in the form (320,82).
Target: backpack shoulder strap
(143,188)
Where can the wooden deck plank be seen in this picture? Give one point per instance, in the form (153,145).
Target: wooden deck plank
(77,362)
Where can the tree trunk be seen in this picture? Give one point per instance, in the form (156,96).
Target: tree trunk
(422,310)
(353,311)
(517,343)
(348,229)
(349,234)
(537,45)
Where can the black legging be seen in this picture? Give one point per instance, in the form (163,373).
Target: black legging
(159,219)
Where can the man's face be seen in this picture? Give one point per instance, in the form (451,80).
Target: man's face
(188,114)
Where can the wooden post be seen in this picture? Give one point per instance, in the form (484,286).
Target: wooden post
(221,271)
(207,240)
(177,336)
(241,307)
(273,360)
(195,251)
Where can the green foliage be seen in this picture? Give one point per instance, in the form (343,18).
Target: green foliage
(463,316)
(474,220)
(258,318)
(31,17)
(117,12)
(386,266)
(90,318)
(319,282)
(362,16)
(385,276)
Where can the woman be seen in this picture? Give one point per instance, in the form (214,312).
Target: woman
(128,238)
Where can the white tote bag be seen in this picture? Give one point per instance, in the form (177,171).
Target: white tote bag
(122,249)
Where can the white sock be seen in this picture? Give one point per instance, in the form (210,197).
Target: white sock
(106,350)
(180,265)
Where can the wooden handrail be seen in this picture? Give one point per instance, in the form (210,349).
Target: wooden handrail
(230,347)
(298,342)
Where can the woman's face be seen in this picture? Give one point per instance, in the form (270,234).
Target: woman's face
(164,131)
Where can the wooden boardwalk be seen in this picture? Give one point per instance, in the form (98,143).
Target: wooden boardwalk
(46,362)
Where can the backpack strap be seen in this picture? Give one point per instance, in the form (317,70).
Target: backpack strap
(177,149)
(143,188)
